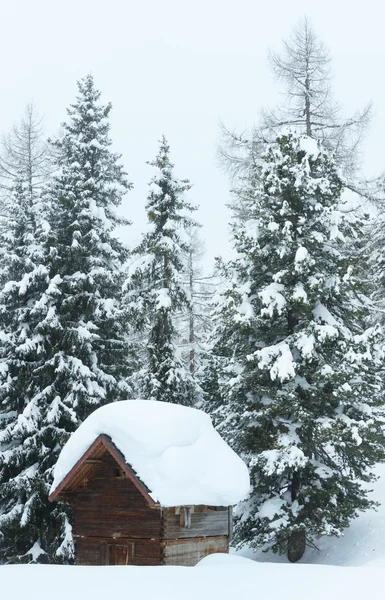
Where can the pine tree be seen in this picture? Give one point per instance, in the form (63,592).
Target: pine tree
(299,369)
(63,328)
(196,324)
(24,278)
(155,287)
(86,255)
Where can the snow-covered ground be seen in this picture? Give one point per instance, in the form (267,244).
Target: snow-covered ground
(347,568)
(218,578)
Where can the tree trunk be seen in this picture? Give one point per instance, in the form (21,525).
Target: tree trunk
(296,545)
(192,347)
(307,106)
(191,319)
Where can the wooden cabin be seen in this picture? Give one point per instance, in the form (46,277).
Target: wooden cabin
(117,519)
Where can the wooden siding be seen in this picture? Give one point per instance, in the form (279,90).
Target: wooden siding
(88,461)
(108,505)
(100,551)
(209,523)
(111,520)
(189,552)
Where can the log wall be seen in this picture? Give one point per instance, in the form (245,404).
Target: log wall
(111,521)
(202,523)
(101,551)
(188,552)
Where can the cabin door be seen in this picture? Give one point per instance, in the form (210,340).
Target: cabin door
(120,554)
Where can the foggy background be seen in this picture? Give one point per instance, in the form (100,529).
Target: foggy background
(179,68)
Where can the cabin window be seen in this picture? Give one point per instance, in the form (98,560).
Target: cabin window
(120,474)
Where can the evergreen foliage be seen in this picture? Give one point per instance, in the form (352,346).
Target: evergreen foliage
(87,257)
(64,342)
(376,260)
(25,449)
(302,395)
(293,371)
(156,285)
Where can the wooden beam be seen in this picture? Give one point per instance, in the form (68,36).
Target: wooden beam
(230,517)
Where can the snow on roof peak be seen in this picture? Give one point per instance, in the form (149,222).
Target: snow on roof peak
(174,450)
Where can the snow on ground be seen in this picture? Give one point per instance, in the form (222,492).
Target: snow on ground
(174,449)
(218,578)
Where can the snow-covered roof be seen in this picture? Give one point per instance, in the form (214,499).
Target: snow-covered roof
(174,450)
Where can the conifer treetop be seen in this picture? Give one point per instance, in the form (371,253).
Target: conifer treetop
(156,284)
(85,152)
(166,201)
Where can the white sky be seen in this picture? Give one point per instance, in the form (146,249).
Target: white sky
(178,68)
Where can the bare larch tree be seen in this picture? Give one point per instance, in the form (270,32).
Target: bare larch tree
(303,70)
(24,154)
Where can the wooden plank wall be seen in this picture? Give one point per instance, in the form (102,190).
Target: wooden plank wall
(109,509)
(95,551)
(189,552)
(209,523)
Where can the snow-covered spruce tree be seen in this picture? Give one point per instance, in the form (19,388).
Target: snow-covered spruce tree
(87,257)
(24,278)
(67,354)
(156,289)
(302,402)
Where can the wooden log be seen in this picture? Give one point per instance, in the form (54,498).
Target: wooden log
(145,562)
(102,551)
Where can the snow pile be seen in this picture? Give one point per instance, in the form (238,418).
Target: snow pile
(174,449)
